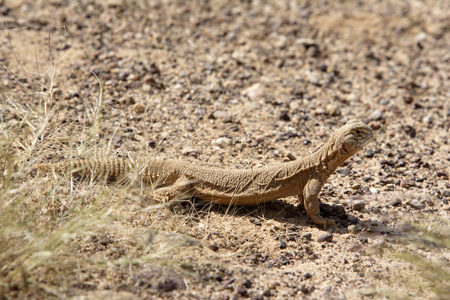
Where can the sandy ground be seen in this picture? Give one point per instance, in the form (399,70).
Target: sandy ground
(235,84)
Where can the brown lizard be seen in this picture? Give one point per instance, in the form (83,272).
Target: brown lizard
(172,178)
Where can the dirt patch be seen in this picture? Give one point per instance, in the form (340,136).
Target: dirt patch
(235,84)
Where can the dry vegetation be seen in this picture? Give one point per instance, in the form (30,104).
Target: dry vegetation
(235,84)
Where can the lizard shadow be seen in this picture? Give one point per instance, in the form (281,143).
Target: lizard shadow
(293,215)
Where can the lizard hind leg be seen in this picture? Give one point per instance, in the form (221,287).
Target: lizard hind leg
(181,189)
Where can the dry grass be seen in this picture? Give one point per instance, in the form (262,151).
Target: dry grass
(53,230)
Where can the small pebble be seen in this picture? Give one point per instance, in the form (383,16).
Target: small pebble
(395,202)
(138,108)
(345,171)
(228,282)
(247,283)
(353,229)
(284,116)
(223,116)
(369,153)
(241,290)
(294,105)
(355,247)
(325,238)
(363,239)
(416,204)
(410,131)
(359,205)
(146,87)
(420,39)
(307,236)
(282,245)
(373,190)
(441,174)
(333,110)
(255,92)
(376,115)
(187,266)
(213,247)
(191,151)
(352,219)
(222,142)
(273,285)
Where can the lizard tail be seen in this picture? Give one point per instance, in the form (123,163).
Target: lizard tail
(110,168)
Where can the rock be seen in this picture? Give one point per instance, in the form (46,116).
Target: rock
(355,247)
(222,142)
(252,105)
(359,205)
(395,202)
(241,290)
(410,131)
(306,290)
(420,39)
(353,229)
(363,239)
(191,150)
(345,171)
(247,283)
(369,153)
(307,236)
(187,266)
(146,87)
(295,104)
(416,204)
(255,92)
(352,219)
(441,174)
(220,115)
(376,115)
(284,116)
(138,108)
(305,42)
(298,91)
(282,245)
(333,110)
(325,238)
(228,282)
(373,190)
(213,247)
(314,79)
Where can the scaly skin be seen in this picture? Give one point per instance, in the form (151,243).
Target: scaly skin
(174,179)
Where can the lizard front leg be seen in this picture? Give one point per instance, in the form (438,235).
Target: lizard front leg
(310,193)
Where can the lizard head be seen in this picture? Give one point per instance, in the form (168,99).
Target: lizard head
(353,136)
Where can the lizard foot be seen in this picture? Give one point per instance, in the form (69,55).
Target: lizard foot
(322,221)
(161,196)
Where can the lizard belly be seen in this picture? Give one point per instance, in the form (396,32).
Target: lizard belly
(249,197)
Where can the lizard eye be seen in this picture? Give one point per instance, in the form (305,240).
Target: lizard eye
(358,132)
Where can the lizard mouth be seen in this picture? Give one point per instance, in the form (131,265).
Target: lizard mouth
(366,141)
